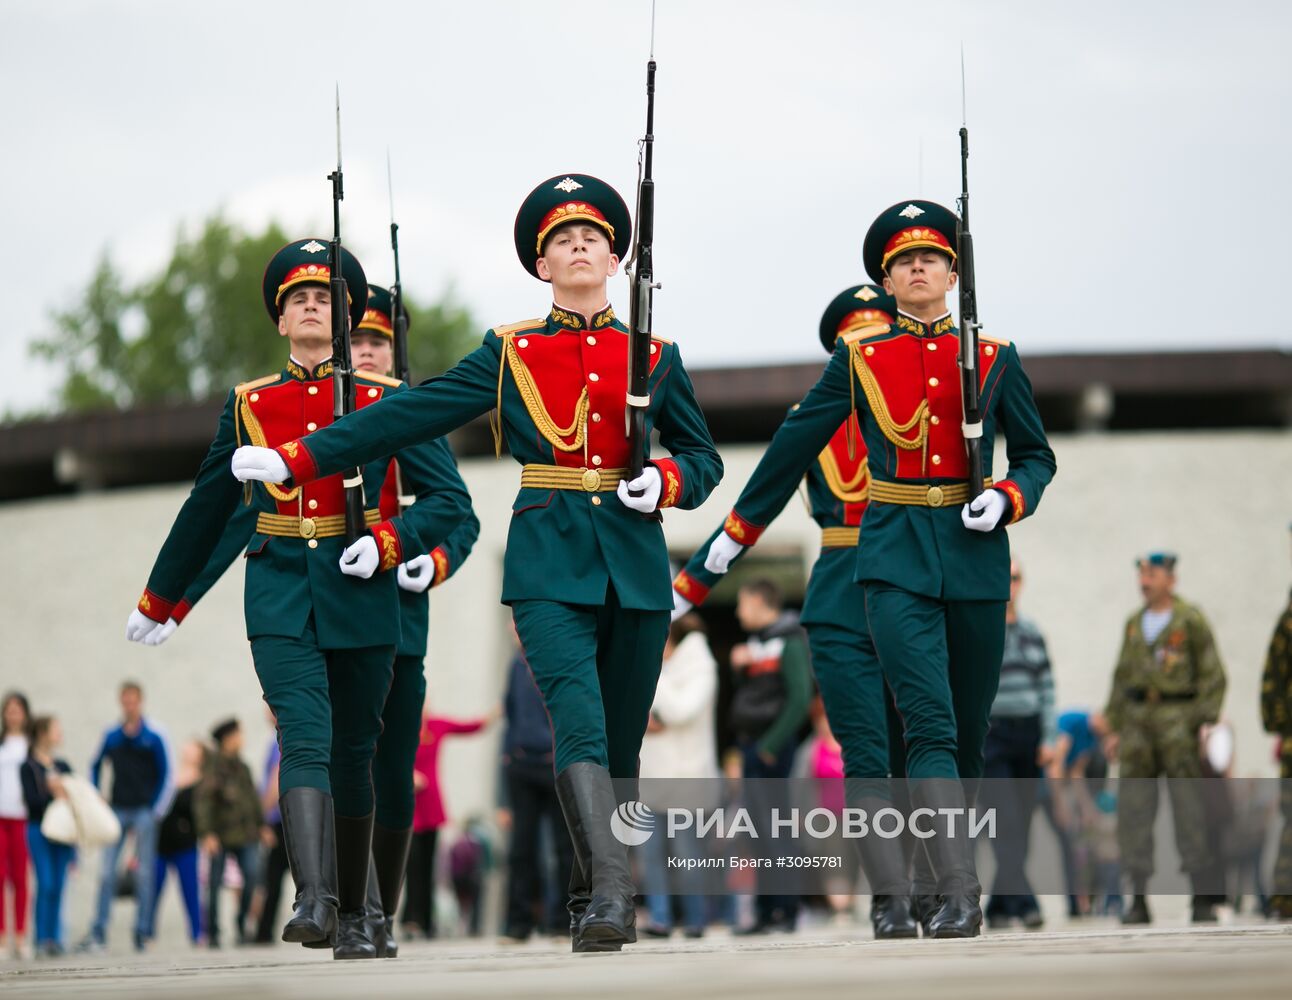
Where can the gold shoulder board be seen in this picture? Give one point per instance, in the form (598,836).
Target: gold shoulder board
(525,324)
(866,332)
(255,383)
(394,383)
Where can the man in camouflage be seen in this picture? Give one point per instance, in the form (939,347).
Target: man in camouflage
(1276,716)
(1169,682)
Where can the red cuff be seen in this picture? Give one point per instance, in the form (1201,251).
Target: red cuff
(442,569)
(181,610)
(671,482)
(1011,490)
(300,463)
(156,608)
(741,530)
(690,588)
(389,547)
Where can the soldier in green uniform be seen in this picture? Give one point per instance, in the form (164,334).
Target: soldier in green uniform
(372,346)
(834,615)
(323,639)
(935,573)
(586,567)
(1168,682)
(1276,715)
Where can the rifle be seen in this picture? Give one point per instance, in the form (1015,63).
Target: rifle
(399,320)
(972,425)
(643,284)
(342,371)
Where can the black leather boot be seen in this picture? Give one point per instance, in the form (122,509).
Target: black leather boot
(959,912)
(354,856)
(311,855)
(884,861)
(609,917)
(1138,912)
(373,913)
(390,854)
(924,889)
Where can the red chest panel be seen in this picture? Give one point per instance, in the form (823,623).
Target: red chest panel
(908,371)
(562,365)
(389,502)
(289,410)
(848,478)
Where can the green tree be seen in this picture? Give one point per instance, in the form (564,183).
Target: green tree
(199,326)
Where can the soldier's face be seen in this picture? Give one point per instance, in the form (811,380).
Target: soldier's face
(1155,582)
(371,352)
(306,316)
(919,279)
(577,257)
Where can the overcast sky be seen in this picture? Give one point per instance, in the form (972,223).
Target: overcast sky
(1129,166)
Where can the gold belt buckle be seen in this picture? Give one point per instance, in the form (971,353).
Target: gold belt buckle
(307,527)
(591,480)
(934,497)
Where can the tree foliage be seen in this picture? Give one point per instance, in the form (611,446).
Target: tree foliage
(199,326)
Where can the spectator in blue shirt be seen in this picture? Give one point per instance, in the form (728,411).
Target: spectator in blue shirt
(136,752)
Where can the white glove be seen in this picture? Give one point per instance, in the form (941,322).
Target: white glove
(992,503)
(721,552)
(263,464)
(139,626)
(649,484)
(416,574)
(161,633)
(680,606)
(361,558)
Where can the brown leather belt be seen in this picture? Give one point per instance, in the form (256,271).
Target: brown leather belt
(327,526)
(839,538)
(921,494)
(558,477)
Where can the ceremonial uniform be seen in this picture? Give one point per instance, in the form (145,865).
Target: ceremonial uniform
(323,642)
(1276,715)
(1163,691)
(586,576)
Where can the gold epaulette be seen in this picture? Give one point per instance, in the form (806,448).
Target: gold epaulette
(256,383)
(998,341)
(525,324)
(866,332)
(661,340)
(394,383)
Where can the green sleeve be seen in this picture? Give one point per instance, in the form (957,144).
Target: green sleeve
(694,569)
(1276,680)
(237,532)
(1210,671)
(200,525)
(685,433)
(1031,460)
(796,673)
(430,473)
(799,441)
(459,544)
(402,419)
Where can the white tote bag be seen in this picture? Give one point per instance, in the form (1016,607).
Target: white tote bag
(96,824)
(59,822)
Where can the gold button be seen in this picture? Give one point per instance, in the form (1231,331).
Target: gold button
(596,501)
(593,377)
(311,426)
(522,342)
(313,390)
(313,543)
(596,418)
(592,341)
(937,459)
(935,419)
(989,350)
(654,348)
(596,459)
(372,393)
(869,351)
(932,346)
(314,505)
(255,396)
(934,381)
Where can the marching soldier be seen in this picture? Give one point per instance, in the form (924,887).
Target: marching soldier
(834,613)
(1168,683)
(935,584)
(586,568)
(1276,715)
(323,640)
(372,350)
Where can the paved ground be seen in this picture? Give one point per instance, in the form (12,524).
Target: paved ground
(1238,961)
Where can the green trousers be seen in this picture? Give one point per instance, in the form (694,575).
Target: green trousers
(328,704)
(401,728)
(596,667)
(852,689)
(942,661)
(1281,900)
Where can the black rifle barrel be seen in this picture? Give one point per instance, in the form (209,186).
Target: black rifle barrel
(342,373)
(643,288)
(969,329)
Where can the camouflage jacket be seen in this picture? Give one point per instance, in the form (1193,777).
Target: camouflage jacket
(225,802)
(1276,683)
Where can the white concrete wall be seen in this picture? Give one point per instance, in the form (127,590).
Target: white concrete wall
(1222,500)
